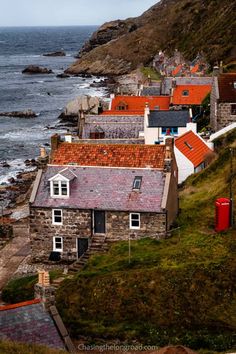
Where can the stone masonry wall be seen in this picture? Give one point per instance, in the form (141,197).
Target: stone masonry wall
(76,223)
(224,117)
(118,226)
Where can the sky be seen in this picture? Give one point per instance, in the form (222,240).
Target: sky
(68,12)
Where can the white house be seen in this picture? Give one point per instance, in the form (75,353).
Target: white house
(158,124)
(191,153)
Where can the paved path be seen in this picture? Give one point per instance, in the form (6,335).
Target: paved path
(14,253)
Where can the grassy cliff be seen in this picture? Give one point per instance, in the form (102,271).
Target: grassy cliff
(179,290)
(194,26)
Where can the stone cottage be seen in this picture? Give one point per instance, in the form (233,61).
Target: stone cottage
(107,191)
(223,101)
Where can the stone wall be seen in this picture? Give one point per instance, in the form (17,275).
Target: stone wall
(76,223)
(224,117)
(118,227)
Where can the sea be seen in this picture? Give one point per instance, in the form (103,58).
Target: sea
(46,95)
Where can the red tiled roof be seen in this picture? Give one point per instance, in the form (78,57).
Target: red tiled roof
(137,103)
(122,113)
(197,93)
(227,91)
(192,146)
(195,69)
(177,70)
(112,155)
(20,304)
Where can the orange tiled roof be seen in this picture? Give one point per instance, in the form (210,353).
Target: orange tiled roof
(197,93)
(19,304)
(112,155)
(137,103)
(122,113)
(177,70)
(195,69)
(192,146)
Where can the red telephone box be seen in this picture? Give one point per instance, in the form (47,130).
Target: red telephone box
(222,214)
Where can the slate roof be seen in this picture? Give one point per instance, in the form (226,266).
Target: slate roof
(227,91)
(151,91)
(105,189)
(114,126)
(137,103)
(197,93)
(113,155)
(192,146)
(168,118)
(29,322)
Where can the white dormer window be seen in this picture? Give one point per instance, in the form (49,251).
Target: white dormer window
(59,189)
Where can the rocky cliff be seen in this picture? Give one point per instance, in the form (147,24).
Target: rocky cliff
(189,25)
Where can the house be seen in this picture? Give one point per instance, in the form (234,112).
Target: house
(136,104)
(103,191)
(191,154)
(29,322)
(189,95)
(122,127)
(159,124)
(223,101)
(169,83)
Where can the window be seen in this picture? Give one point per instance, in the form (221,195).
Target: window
(57,216)
(59,189)
(233,109)
(57,244)
(134,221)
(137,182)
(188,145)
(185,93)
(169,130)
(97,135)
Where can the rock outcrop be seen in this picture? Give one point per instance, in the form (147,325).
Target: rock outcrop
(192,26)
(19,114)
(33,69)
(86,104)
(55,54)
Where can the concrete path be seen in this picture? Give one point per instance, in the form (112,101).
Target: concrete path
(14,253)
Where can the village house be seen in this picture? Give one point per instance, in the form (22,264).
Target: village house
(192,154)
(160,124)
(189,95)
(104,191)
(223,101)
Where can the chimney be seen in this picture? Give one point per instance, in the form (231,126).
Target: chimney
(169,143)
(68,137)
(43,290)
(55,141)
(192,126)
(190,114)
(146,114)
(216,70)
(174,82)
(43,153)
(112,96)
(42,160)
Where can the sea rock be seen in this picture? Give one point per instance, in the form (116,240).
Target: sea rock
(19,114)
(4,164)
(60,53)
(87,104)
(33,69)
(63,76)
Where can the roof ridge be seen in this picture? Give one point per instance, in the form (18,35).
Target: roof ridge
(19,304)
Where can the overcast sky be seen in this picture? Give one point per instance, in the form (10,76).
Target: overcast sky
(68,12)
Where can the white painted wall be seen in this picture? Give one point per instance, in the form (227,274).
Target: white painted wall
(185,167)
(222,131)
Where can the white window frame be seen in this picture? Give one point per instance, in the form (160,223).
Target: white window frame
(60,195)
(53,217)
(130,221)
(54,244)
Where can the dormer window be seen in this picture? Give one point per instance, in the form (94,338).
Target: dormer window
(60,183)
(59,188)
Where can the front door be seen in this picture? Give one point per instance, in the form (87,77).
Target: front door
(99,222)
(82,246)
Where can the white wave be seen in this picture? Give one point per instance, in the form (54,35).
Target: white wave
(40,81)
(16,166)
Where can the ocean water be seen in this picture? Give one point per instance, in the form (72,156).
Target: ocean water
(46,95)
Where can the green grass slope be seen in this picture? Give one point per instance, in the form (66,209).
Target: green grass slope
(178,290)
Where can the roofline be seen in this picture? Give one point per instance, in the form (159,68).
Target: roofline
(36,186)
(20,304)
(110,167)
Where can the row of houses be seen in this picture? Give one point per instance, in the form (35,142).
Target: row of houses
(120,178)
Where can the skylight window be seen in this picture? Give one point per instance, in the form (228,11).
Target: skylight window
(137,182)
(185,93)
(188,145)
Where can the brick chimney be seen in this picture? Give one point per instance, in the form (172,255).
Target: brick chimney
(43,290)
(169,144)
